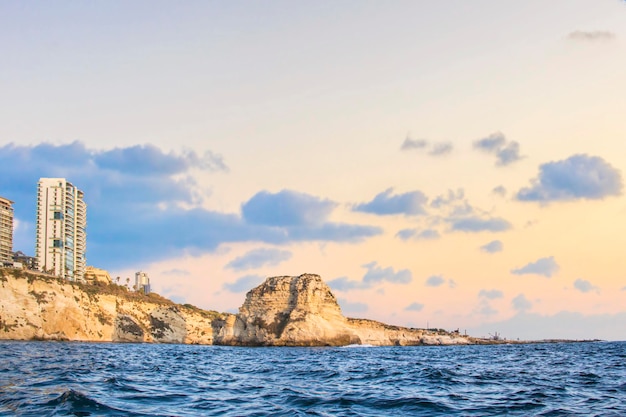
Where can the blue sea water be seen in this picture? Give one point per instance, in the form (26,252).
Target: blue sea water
(88,379)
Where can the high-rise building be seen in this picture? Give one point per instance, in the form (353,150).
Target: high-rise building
(61,241)
(6,230)
(142,282)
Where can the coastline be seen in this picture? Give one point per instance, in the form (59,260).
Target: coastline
(283,311)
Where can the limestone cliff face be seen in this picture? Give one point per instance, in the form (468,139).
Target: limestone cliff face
(302,311)
(45,308)
(379,334)
(290,311)
(283,311)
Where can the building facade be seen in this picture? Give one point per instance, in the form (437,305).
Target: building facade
(142,282)
(28,262)
(6,231)
(95,275)
(61,241)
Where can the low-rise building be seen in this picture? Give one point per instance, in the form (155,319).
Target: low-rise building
(29,262)
(96,275)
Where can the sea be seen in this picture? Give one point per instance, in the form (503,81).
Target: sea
(109,379)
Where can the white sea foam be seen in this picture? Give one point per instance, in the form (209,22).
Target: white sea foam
(356,345)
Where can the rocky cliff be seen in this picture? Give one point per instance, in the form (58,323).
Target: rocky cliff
(291,311)
(283,311)
(39,307)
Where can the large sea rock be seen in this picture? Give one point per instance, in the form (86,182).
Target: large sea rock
(290,311)
(282,311)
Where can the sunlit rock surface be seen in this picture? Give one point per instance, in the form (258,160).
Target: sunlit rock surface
(282,311)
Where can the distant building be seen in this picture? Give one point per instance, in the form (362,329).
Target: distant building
(29,262)
(61,240)
(142,282)
(6,231)
(93,275)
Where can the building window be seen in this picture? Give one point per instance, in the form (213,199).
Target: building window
(56,243)
(57,215)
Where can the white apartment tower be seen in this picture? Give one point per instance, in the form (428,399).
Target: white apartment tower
(142,282)
(61,240)
(6,230)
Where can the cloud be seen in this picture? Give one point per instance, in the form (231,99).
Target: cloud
(414,307)
(562,325)
(591,36)
(463,217)
(410,144)
(345,284)
(499,190)
(577,177)
(585,286)
(374,275)
(406,234)
(491,294)
(506,152)
(451,199)
(544,266)
(286,208)
(352,307)
(427,234)
(454,206)
(491,143)
(435,281)
(385,203)
(439,149)
(177,272)
(492,247)
(330,232)
(257,258)
(144,205)
(477,224)
(485,309)
(244,284)
(438,280)
(435,148)
(521,303)
(148,159)
(142,171)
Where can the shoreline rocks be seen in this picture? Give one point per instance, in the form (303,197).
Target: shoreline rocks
(282,311)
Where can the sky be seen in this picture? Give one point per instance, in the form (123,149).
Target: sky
(455,165)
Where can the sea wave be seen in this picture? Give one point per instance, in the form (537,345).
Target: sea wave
(82,379)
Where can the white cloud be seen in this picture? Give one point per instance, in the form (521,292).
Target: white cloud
(257,258)
(585,286)
(575,178)
(491,294)
(492,247)
(414,307)
(521,303)
(591,36)
(506,152)
(544,266)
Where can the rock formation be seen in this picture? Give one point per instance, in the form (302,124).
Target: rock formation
(291,311)
(283,311)
(40,307)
